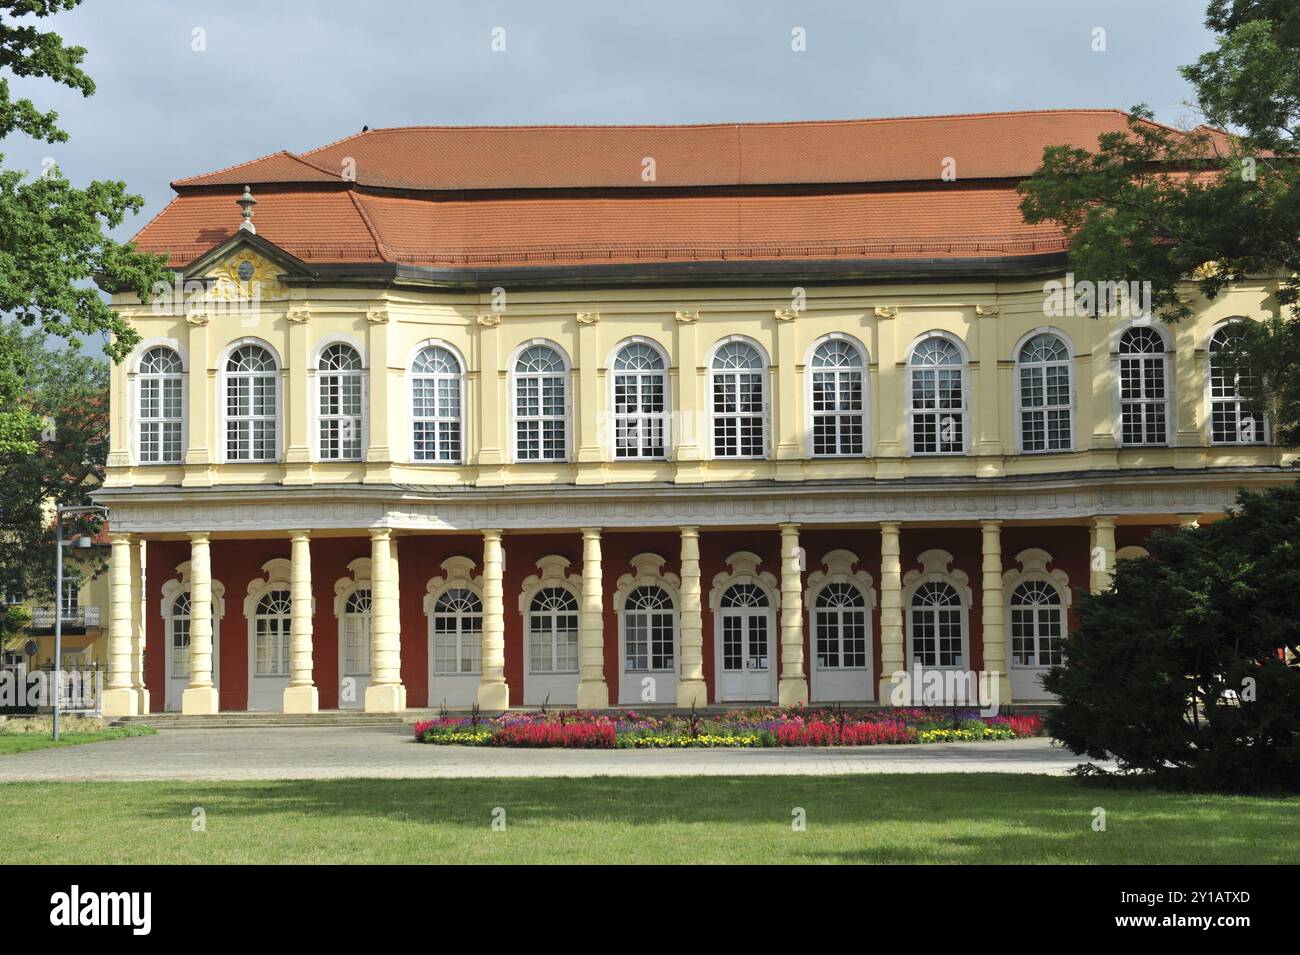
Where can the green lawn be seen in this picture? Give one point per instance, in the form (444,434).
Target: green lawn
(885,818)
(26,742)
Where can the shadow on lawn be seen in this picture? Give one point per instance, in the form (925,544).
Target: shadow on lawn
(871,818)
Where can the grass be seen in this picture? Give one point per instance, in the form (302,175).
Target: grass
(22,735)
(962,818)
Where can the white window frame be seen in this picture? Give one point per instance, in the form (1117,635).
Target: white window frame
(1165,357)
(646,420)
(1210,400)
(223,418)
(321,375)
(439,417)
(1041,368)
(137,401)
(515,419)
(864,377)
(763,371)
(936,567)
(908,397)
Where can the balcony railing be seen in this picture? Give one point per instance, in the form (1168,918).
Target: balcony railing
(43,617)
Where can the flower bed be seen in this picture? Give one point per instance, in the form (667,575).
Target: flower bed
(758,727)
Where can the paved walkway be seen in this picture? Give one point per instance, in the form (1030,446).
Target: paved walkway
(389,752)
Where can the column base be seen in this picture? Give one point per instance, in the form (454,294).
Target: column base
(1002,687)
(301,699)
(199,701)
(121,702)
(493,697)
(142,700)
(891,693)
(792,691)
(388,698)
(593,695)
(692,693)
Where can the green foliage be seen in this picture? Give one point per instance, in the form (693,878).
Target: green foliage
(1187,670)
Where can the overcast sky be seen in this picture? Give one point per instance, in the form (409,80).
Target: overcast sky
(293,75)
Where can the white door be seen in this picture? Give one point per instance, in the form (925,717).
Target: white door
(354,649)
(1036,638)
(268,651)
(177,652)
(841,646)
(748,663)
(648,648)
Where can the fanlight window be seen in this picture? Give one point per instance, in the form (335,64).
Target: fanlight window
(648,628)
(936,625)
(739,413)
(938,406)
(640,384)
(838,404)
(271,643)
(250,405)
(840,624)
(356,632)
(180,640)
(1045,418)
(338,380)
(458,632)
(1037,625)
(161,385)
(541,403)
(739,596)
(1143,387)
(553,631)
(1234,417)
(436,406)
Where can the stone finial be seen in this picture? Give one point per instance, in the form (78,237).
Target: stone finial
(246,203)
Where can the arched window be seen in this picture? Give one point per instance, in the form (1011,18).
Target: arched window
(937,625)
(161,384)
(838,405)
(180,634)
(840,623)
(436,406)
(553,631)
(739,400)
(1037,625)
(744,633)
(1234,418)
(1044,376)
(541,405)
(648,626)
(356,632)
(457,632)
(640,383)
(938,405)
(1143,387)
(250,405)
(271,631)
(338,380)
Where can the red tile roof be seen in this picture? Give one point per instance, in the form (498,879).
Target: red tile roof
(568,195)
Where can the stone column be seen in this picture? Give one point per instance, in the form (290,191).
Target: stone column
(792,688)
(593,692)
(298,399)
(379,450)
(139,588)
(788,419)
(300,696)
(1102,558)
(993,619)
(199,413)
(384,694)
(889,417)
(119,698)
(892,657)
(586,402)
(493,691)
(691,689)
(200,697)
(493,402)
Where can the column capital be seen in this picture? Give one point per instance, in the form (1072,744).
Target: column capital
(689,530)
(1104,520)
(299,535)
(991,525)
(789,526)
(894,526)
(381,533)
(198,537)
(590,532)
(492,533)
(119,537)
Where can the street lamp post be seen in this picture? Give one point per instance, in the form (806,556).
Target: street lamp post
(83,541)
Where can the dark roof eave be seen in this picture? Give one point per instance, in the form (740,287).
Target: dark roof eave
(739,272)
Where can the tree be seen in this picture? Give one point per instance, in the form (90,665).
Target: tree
(1212,205)
(68,393)
(53,235)
(1187,671)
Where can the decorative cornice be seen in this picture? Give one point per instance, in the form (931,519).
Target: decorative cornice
(886,311)
(588,318)
(688,316)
